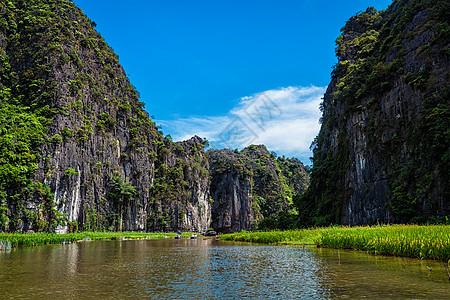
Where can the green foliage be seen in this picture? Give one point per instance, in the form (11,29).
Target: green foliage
(72,226)
(93,220)
(437,127)
(169,183)
(21,134)
(285,220)
(412,183)
(75,86)
(56,138)
(106,121)
(205,143)
(70,171)
(122,193)
(85,130)
(4,220)
(403,205)
(72,106)
(51,218)
(67,133)
(329,173)
(295,174)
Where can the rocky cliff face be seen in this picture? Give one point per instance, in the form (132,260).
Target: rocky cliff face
(250,185)
(231,192)
(78,144)
(383,150)
(79,152)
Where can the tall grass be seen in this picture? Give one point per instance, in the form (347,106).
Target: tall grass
(304,236)
(425,242)
(33,239)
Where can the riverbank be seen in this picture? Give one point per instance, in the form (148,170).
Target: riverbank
(34,239)
(424,242)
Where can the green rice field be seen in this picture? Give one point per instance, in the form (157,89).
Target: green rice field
(424,242)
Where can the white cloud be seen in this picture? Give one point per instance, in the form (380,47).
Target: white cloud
(286,120)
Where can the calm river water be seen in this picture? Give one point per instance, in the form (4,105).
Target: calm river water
(210,269)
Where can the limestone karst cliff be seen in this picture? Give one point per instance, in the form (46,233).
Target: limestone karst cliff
(77,145)
(382,153)
(77,149)
(252,185)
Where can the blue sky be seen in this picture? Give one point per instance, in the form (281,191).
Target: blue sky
(200,65)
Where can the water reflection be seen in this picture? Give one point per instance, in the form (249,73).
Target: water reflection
(208,269)
(355,273)
(211,270)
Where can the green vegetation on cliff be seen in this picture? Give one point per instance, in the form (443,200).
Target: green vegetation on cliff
(72,125)
(383,150)
(253,188)
(79,152)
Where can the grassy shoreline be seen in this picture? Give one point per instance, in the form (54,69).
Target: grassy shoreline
(34,239)
(424,242)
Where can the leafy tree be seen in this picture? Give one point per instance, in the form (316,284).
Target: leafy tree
(122,193)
